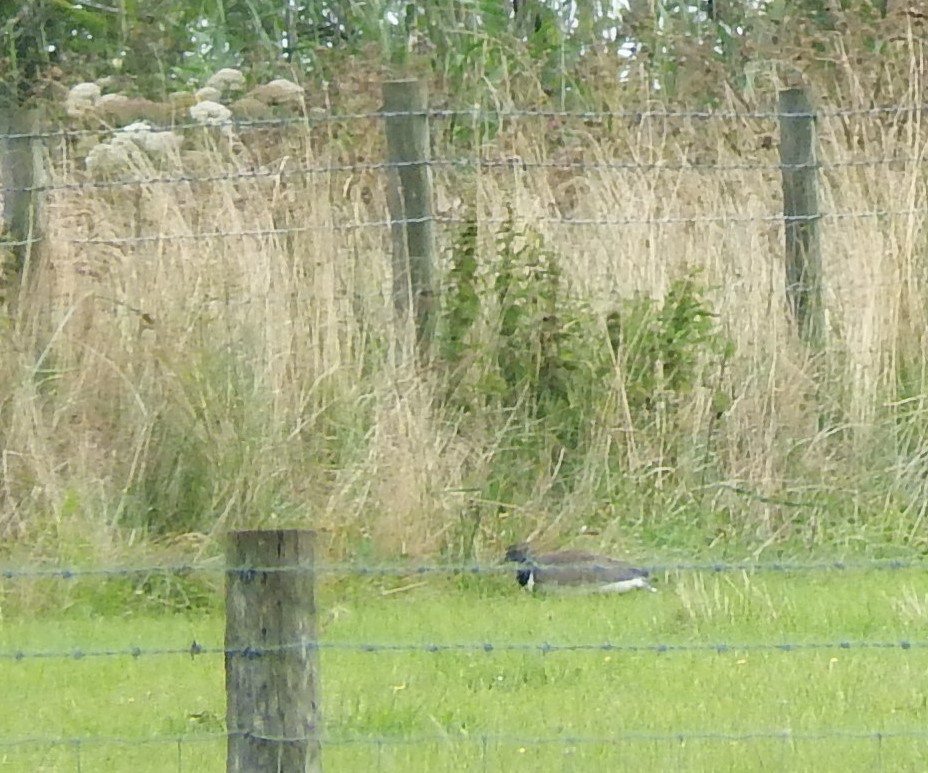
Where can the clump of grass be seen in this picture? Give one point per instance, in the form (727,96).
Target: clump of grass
(716,603)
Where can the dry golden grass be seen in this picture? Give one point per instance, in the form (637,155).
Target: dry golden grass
(254,370)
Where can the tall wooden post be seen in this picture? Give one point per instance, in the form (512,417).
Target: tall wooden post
(272,679)
(20,227)
(801,214)
(409,197)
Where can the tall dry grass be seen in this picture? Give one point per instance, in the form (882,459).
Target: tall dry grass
(198,355)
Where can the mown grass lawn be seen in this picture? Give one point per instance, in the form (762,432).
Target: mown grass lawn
(510,708)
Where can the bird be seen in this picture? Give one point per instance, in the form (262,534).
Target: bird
(576,569)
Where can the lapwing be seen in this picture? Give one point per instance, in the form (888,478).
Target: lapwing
(576,569)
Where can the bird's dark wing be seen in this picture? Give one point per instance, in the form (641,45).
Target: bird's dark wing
(570,557)
(583,558)
(576,567)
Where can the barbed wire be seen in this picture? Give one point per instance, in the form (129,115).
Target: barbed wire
(483,114)
(461,163)
(614,739)
(411,570)
(624,736)
(459,220)
(195,649)
(114,740)
(673,220)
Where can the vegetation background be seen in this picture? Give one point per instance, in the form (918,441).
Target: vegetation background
(613,354)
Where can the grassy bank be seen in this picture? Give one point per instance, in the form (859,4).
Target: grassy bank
(207,341)
(513,709)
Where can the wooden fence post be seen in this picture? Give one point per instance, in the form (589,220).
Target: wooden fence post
(409,197)
(272,680)
(801,215)
(20,227)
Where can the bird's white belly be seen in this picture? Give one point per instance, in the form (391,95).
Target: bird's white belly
(624,586)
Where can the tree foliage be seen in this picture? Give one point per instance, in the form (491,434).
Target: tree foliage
(166,44)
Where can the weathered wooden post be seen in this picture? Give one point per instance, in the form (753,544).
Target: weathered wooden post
(20,227)
(409,197)
(801,214)
(272,671)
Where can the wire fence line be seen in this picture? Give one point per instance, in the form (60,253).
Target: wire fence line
(452,569)
(259,233)
(477,112)
(194,649)
(486,744)
(620,737)
(460,220)
(459,163)
(446,218)
(333,739)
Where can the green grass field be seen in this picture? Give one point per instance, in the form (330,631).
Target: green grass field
(510,709)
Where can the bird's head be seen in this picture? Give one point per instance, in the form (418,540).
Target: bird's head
(519,553)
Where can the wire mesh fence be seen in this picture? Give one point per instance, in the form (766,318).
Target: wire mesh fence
(296,195)
(558,203)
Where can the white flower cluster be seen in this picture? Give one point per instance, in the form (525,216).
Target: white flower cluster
(129,146)
(141,141)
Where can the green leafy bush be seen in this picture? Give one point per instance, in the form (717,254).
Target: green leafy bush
(536,374)
(669,348)
(513,340)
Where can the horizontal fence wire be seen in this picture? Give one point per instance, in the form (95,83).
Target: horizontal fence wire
(619,737)
(453,220)
(484,113)
(406,570)
(460,163)
(194,649)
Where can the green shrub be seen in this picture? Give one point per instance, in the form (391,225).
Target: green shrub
(669,348)
(534,372)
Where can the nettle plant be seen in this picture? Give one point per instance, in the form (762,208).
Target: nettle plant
(525,367)
(670,348)
(512,339)
(512,335)
(536,373)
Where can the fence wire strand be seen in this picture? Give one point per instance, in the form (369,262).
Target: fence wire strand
(514,163)
(619,737)
(486,647)
(477,114)
(472,569)
(690,220)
